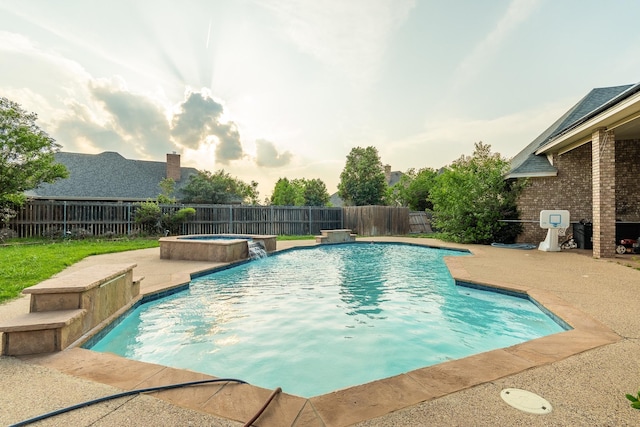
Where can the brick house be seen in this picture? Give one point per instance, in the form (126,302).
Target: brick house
(109,177)
(587,162)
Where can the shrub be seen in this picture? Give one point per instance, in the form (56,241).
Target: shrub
(172,221)
(148,216)
(471,196)
(52,233)
(6,234)
(80,233)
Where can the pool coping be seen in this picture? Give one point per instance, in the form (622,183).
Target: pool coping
(358,403)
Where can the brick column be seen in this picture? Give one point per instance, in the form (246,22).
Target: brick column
(603,167)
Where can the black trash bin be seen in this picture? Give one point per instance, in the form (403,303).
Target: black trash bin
(582,234)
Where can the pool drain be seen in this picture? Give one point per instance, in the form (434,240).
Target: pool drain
(526,401)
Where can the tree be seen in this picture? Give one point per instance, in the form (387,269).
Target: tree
(300,192)
(167,188)
(26,154)
(315,192)
(219,188)
(362,181)
(287,193)
(471,197)
(412,190)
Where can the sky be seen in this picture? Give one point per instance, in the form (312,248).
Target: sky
(267,89)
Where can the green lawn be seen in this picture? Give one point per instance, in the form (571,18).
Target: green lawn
(23,265)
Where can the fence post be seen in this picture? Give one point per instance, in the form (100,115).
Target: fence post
(310,232)
(231,219)
(64,219)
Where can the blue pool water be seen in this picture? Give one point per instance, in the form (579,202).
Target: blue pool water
(218,238)
(318,319)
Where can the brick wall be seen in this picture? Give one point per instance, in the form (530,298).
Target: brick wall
(628,180)
(572,189)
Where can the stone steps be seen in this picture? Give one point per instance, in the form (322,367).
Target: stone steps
(64,308)
(336,236)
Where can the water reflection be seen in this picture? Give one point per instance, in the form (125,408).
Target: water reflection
(361,283)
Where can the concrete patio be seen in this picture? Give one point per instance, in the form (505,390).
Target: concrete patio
(586,388)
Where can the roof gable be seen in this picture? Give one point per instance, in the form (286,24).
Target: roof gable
(527,163)
(108,176)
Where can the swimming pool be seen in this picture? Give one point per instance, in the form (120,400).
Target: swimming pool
(319,319)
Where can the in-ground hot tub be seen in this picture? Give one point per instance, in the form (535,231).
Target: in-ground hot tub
(213,247)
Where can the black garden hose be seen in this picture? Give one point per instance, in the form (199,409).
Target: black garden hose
(261,410)
(123,394)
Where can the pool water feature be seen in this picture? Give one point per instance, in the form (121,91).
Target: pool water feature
(256,250)
(213,247)
(313,320)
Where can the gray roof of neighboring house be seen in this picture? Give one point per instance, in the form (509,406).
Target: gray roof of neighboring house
(108,176)
(394,177)
(527,163)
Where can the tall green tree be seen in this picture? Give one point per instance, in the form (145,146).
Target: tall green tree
(315,192)
(300,192)
(26,154)
(471,196)
(287,193)
(362,181)
(218,188)
(412,190)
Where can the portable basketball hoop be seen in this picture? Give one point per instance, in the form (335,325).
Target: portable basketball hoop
(553,221)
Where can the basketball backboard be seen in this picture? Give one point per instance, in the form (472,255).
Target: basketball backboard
(554,219)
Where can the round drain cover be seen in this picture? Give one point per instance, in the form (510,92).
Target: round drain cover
(525,401)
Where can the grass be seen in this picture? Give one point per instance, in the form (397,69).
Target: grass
(439,236)
(23,265)
(306,237)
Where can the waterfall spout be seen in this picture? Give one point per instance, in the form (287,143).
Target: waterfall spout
(256,249)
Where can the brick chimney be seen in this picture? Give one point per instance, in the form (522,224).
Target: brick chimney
(387,173)
(173,166)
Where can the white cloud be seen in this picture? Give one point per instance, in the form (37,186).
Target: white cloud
(267,155)
(350,36)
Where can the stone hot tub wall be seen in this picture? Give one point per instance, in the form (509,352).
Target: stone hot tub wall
(197,248)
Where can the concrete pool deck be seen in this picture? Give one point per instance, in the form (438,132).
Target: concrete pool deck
(583,374)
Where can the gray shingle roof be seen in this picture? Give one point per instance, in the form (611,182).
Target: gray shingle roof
(108,176)
(527,163)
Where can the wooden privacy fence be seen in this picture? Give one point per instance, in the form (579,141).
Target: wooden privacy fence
(57,218)
(377,220)
(51,218)
(419,223)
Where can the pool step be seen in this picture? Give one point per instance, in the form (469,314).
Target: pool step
(64,308)
(336,236)
(41,332)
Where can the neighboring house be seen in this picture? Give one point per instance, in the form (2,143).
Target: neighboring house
(587,162)
(391,179)
(110,177)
